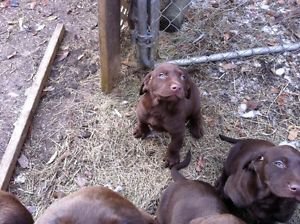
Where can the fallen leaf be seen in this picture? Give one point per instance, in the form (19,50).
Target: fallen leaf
(62,55)
(252,105)
(200,164)
(227,36)
(229,66)
(52,158)
(275,90)
(293,134)
(281,99)
(23,161)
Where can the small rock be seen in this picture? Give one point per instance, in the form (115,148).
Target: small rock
(23,161)
(280,71)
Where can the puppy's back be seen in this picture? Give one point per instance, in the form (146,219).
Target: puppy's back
(12,211)
(93,205)
(218,219)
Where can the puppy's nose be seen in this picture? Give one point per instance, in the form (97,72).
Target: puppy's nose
(175,87)
(294,187)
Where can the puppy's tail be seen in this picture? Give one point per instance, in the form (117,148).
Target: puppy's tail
(228,139)
(175,169)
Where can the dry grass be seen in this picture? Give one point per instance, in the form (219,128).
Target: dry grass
(91,133)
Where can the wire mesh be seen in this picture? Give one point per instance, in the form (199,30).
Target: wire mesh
(203,27)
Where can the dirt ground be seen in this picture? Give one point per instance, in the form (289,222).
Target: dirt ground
(81,137)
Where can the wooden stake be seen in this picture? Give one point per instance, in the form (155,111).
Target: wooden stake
(109,34)
(18,136)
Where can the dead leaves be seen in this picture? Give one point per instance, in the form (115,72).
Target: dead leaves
(293,133)
(200,164)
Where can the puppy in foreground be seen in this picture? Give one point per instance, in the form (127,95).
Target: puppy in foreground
(261,179)
(12,211)
(192,202)
(168,100)
(94,205)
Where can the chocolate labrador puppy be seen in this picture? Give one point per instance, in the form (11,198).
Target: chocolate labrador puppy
(190,201)
(12,211)
(94,205)
(169,99)
(262,179)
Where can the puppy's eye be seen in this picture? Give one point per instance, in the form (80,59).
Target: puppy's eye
(182,77)
(162,75)
(279,164)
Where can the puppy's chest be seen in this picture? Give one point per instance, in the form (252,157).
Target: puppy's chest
(156,120)
(159,120)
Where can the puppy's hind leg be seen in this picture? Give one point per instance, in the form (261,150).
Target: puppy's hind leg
(196,125)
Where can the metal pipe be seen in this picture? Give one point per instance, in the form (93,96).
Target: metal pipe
(142,33)
(237,54)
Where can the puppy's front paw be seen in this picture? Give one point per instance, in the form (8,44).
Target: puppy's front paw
(137,133)
(171,160)
(141,132)
(196,131)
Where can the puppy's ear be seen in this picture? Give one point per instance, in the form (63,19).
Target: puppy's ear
(255,164)
(239,188)
(145,85)
(187,83)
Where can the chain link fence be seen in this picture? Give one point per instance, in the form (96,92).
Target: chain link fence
(191,28)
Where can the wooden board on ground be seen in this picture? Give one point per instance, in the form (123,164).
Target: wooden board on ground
(109,34)
(18,136)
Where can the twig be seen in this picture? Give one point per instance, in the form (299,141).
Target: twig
(281,91)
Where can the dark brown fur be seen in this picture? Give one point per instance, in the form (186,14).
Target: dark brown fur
(12,211)
(94,205)
(262,179)
(169,99)
(194,202)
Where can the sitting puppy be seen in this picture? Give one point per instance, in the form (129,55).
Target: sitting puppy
(190,201)
(262,179)
(12,211)
(94,205)
(169,99)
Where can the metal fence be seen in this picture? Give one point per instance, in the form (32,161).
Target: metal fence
(193,28)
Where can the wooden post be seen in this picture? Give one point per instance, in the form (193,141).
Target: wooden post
(18,136)
(109,33)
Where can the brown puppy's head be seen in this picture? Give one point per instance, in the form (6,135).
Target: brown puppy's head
(276,170)
(12,211)
(282,171)
(167,82)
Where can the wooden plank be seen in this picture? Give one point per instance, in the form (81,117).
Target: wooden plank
(18,136)
(109,35)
